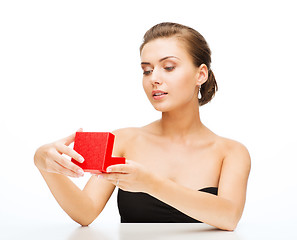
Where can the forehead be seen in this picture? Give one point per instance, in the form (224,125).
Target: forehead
(162,47)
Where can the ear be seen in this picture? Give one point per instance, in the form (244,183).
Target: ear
(202,74)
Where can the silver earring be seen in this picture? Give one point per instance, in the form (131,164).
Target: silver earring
(199,92)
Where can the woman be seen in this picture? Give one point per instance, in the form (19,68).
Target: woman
(177,170)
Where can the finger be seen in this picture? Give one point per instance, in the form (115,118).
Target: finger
(70,152)
(129,161)
(99,176)
(64,162)
(120,168)
(64,171)
(114,176)
(102,175)
(70,139)
(119,183)
(115,182)
(118,180)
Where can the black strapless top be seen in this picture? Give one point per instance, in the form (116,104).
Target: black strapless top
(138,207)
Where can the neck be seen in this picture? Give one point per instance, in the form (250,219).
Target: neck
(180,124)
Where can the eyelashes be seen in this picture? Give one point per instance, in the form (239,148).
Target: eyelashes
(147,72)
(168,69)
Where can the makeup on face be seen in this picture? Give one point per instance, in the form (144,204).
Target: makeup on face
(167,65)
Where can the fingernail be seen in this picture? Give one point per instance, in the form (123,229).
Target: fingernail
(108,169)
(81,159)
(80,172)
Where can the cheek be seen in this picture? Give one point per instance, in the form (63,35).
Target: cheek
(185,83)
(145,86)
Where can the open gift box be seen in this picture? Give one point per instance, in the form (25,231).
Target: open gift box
(96,149)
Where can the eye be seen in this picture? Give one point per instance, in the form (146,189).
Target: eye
(148,72)
(169,68)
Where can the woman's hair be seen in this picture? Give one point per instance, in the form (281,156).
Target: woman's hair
(196,46)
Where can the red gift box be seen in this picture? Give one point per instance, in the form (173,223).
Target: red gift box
(96,149)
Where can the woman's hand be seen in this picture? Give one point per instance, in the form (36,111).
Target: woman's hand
(132,177)
(49,157)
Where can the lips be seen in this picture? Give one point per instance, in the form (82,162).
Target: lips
(158,93)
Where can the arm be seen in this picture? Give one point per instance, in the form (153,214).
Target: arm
(83,206)
(223,211)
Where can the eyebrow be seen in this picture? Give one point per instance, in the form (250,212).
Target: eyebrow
(162,59)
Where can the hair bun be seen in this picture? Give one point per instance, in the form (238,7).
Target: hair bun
(208,89)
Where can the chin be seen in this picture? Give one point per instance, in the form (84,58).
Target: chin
(162,108)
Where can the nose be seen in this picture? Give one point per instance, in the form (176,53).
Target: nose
(155,77)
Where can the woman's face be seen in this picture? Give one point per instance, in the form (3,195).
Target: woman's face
(168,67)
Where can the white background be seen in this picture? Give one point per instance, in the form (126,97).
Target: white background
(71,64)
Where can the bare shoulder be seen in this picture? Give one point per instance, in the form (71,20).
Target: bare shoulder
(130,133)
(234,151)
(124,134)
(122,137)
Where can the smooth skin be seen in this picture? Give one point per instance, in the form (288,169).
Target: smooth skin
(170,158)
